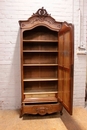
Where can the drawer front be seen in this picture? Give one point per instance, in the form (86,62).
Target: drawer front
(42,109)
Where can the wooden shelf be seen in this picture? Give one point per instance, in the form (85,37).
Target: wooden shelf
(39,100)
(40,64)
(39,92)
(55,79)
(40,40)
(48,51)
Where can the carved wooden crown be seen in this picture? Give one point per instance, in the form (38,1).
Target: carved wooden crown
(40,18)
(41,12)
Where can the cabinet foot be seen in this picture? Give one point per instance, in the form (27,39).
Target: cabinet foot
(61,113)
(21,114)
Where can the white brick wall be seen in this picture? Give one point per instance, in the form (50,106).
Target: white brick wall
(11,11)
(79,60)
(85,25)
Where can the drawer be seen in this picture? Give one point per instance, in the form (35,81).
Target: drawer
(42,109)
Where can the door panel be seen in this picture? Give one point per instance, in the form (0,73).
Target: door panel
(60,70)
(67,49)
(60,84)
(66,89)
(60,48)
(65,60)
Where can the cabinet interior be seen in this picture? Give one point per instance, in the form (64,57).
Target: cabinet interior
(40,65)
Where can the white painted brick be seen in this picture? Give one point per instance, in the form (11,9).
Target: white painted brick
(79,102)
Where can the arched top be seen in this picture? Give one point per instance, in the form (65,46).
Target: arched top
(40,18)
(66,27)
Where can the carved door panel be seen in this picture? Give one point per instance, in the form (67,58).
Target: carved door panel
(65,61)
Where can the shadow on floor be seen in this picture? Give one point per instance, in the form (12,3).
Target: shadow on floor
(47,116)
(69,122)
(67,119)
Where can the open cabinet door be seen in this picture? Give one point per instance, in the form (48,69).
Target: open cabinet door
(65,66)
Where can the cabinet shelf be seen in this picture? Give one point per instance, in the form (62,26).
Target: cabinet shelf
(40,64)
(48,51)
(40,100)
(40,92)
(55,79)
(40,40)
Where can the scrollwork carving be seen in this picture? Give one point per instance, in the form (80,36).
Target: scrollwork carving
(41,17)
(41,12)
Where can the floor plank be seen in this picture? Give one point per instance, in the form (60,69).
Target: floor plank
(69,122)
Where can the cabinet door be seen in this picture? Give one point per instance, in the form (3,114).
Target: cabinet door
(65,63)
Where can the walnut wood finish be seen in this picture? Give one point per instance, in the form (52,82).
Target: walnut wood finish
(42,109)
(46,64)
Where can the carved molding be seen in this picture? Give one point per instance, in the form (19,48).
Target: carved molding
(41,12)
(40,18)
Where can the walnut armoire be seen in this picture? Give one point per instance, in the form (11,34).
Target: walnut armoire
(46,64)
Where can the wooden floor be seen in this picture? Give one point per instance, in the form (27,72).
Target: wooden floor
(9,120)
(70,122)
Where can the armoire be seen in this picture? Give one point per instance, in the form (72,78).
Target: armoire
(47,57)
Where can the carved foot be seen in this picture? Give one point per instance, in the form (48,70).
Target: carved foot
(61,113)
(21,114)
